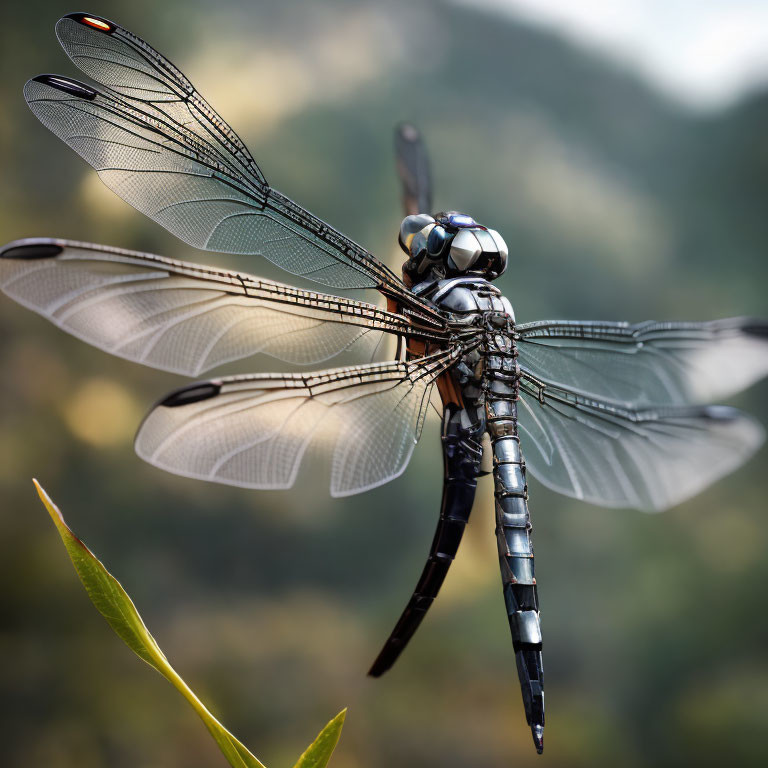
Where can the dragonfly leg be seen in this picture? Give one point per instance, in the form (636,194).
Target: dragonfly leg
(513,535)
(462,453)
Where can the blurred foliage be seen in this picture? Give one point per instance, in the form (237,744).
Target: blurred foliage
(114,604)
(616,203)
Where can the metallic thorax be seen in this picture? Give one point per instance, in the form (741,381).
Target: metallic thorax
(484,429)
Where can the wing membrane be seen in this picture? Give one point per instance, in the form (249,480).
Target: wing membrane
(184,317)
(128,66)
(652,363)
(162,148)
(253,431)
(650,458)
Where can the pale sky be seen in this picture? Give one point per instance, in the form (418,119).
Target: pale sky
(705,52)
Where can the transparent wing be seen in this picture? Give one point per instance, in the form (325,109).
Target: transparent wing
(652,363)
(253,431)
(156,143)
(184,317)
(650,459)
(413,169)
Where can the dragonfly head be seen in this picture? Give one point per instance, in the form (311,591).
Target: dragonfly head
(450,244)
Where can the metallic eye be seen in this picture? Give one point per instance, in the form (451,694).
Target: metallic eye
(465,249)
(418,245)
(411,225)
(501,246)
(436,240)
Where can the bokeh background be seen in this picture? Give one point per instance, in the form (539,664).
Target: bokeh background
(625,189)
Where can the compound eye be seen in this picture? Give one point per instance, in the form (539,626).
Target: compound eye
(498,240)
(500,261)
(436,241)
(411,225)
(465,248)
(418,245)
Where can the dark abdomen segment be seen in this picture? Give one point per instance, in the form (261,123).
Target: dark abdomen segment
(513,534)
(462,452)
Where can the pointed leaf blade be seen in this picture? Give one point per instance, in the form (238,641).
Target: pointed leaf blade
(320,750)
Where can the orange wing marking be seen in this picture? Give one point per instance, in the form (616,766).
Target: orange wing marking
(97,23)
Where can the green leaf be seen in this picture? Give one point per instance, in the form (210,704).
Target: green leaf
(320,750)
(118,609)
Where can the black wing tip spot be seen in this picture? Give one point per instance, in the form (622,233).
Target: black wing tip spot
(30,250)
(67,85)
(193,393)
(92,21)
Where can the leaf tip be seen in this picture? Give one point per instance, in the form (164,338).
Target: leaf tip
(53,510)
(320,750)
(58,519)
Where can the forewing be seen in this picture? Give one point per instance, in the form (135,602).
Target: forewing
(128,66)
(162,148)
(652,363)
(183,317)
(253,431)
(649,458)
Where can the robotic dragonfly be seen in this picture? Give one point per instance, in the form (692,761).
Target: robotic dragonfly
(611,413)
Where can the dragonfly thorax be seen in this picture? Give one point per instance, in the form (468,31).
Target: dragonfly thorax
(448,245)
(469,300)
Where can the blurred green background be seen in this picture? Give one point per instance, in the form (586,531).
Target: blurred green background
(616,202)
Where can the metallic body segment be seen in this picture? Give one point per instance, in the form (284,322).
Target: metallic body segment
(513,535)
(461,461)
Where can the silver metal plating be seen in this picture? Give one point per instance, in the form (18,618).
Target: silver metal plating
(465,249)
(525,627)
(490,385)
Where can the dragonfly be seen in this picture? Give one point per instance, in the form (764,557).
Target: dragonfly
(612,413)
